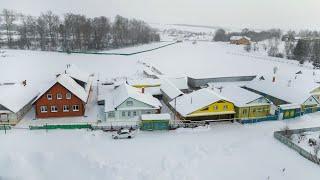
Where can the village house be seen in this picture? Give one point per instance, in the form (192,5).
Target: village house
(203,104)
(15,101)
(67,96)
(126,102)
(287,95)
(247,104)
(240,40)
(153,86)
(169,91)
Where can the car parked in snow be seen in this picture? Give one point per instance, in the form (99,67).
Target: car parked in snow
(123,134)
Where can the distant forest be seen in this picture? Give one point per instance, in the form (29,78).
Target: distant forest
(72,32)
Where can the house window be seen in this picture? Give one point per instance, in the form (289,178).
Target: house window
(225,107)
(49,96)
(205,109)
(134,113)
(129,103)
(75,107)
(123,114)
(129,113)
(65,108)
(54,109)
(43,109)
(59,96)
(244,111)
(111,114)
(215,107)
(68,96)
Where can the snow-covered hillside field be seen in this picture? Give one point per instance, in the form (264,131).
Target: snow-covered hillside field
(225,151)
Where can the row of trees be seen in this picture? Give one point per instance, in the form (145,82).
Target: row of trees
(72,32)
(222,35)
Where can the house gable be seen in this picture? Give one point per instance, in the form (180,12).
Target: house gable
(216,107)
(133,103)
(310,101)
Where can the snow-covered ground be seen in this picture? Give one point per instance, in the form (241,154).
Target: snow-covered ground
(223,151)
(303,141)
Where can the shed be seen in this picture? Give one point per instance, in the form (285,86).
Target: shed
(150,122)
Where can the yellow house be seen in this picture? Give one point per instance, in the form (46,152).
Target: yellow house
(203,104)
(247,104)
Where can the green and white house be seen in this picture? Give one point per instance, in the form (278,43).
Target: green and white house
(293,97)
(126,103)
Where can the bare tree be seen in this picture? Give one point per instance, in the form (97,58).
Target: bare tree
(9,18)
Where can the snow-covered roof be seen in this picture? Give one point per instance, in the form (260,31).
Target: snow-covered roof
(74,72)
(66,81)
(124,92)
(155,117)
(170,89)
(180,82)
(15,97)
(239,96)
(236,38)
(295,91)
(69,83)
(290,106)
(196,100)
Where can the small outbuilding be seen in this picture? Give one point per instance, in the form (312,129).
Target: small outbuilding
(15,101)
(150,122)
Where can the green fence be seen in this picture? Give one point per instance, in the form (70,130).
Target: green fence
(65,126)
(5,127)
(120,54)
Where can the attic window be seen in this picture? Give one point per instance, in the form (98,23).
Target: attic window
(59,96)
(129,103)
(225,107)
(215,107)
(49,96)
(68,96)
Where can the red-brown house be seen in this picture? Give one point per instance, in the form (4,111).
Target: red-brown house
(66,97)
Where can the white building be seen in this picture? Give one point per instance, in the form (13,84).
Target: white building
(126,102)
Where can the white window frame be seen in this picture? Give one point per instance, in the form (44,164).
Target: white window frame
(68,95)
(54,111)
(75,109)
(59,96)
(50,96)
(129,103)
(42,110)
(64,109)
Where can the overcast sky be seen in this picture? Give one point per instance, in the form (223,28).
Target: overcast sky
(262,14)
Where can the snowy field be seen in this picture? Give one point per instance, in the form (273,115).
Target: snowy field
(224,151)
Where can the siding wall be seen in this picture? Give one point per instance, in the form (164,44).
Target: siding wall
(197,83)
(54,90)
